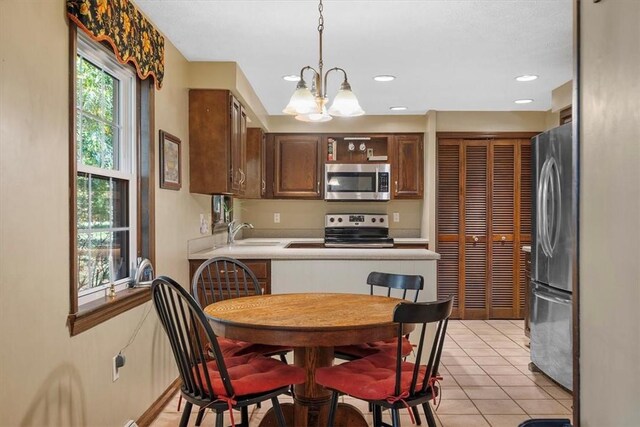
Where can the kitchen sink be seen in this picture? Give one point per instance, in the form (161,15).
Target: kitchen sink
(253,243)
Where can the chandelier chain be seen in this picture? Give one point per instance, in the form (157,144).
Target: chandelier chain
(320,29)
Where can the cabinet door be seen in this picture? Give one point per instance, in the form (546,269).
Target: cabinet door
(407,167)
(235,172)
(209,144)
(503,281)
(526,189)
(255,174)
(449,176)
(476,227)
(297,166)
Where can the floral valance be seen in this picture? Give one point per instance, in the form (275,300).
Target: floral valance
(132,37)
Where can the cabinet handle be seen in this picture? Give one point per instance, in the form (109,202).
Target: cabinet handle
(242,176)
(396,186)
(503,238)
(318,187)
(264,185)
(475,238)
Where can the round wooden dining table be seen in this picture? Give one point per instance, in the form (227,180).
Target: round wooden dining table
(311,323)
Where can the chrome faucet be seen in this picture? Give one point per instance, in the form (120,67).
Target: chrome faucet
(232,231)
(143,264)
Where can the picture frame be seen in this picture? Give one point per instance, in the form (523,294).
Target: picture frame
(170,161)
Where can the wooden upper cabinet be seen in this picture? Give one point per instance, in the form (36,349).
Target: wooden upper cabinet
(217,142)
(256,180)
(297,166)
(407,167)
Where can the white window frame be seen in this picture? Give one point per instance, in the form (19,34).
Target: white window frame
(127,153)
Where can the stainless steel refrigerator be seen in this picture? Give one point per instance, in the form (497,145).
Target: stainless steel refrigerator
(553,237)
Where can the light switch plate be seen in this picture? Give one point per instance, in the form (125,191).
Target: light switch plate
(276,217)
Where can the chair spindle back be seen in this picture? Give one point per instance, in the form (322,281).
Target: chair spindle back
(223,278)
(397,282)
(422,313)
(185,324)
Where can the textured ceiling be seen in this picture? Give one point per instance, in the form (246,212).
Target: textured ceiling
(446,54)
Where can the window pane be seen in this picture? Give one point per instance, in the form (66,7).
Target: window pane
(96,91)
(95,250)
(96,144)
(82,198)
(109,203)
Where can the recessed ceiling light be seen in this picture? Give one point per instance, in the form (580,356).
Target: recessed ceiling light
(398,108)
(384,78)
(523,101)
(292,78)
(526,78)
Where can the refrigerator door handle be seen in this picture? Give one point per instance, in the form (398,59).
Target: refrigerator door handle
(543,189)
(556,211)
(550,297)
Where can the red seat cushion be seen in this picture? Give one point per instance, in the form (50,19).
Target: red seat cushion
(367,349)
(230,347)
(250,374)
(370,378)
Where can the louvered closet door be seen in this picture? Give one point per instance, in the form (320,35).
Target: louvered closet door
(484,219)
(476,226)
(448,217)
(503,289)
(526,189)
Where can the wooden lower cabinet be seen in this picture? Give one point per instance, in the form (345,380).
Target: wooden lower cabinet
(260,267)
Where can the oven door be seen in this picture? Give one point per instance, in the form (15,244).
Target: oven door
(356,182)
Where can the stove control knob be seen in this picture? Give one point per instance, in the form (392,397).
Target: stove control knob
(339,219)
(373,220)
(332,219)
(381,219)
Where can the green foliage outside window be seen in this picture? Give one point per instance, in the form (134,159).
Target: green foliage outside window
(102,201)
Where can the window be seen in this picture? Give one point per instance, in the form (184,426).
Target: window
(111,155)
(106,173)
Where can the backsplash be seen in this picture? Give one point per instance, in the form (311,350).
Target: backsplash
(305,218)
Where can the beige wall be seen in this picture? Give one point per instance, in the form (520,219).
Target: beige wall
(305,218)
(49,378)
(228,75)
(610,214)
(491,121)
(562,96)
(368,123)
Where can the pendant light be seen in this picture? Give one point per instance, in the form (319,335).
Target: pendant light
(310,105)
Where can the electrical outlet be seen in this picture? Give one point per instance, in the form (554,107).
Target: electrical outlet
(118,362)
(204,226)
(115,372)
(276,217)
(396,217)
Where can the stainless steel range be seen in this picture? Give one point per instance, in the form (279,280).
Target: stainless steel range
(357,230)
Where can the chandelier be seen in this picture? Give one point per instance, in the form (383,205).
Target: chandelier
(310,105)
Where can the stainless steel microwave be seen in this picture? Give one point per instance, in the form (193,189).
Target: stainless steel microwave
(345,181)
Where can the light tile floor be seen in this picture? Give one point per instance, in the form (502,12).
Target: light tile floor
(487,382)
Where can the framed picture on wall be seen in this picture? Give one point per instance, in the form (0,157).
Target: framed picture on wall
(170,162)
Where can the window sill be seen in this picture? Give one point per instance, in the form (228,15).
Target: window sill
(95,312)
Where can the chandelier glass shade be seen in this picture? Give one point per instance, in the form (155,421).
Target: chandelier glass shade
(310,105)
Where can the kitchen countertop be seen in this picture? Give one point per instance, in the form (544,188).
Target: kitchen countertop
(267,248)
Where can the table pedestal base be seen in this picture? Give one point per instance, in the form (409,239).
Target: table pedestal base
(347,416)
